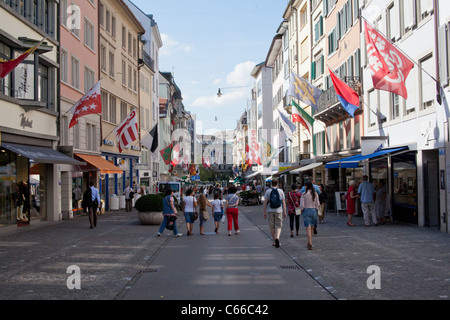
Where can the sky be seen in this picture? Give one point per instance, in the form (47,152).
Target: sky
(212,44)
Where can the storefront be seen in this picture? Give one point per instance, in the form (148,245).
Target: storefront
(28,183)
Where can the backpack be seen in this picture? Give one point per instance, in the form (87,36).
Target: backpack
(275,201)
(87,199)
(131,195)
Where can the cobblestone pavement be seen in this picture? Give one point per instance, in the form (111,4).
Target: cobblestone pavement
(414,262)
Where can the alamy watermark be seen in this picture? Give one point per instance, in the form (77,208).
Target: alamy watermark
(74,280)
(73,21)
(374,281)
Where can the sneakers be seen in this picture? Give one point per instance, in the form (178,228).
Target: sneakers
(178,235)
(158,234)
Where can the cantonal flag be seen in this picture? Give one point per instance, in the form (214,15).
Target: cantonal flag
(91,103)
(127,131)
(166,154)
(301,116)
(347,96)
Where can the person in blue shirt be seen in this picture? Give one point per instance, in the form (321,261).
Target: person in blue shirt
(96,203)
(366,191)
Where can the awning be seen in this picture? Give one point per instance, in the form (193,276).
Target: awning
(307,167)
(105,166)
(40,154)
(353,162)
(285,171)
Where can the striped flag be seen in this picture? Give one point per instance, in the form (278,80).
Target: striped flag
(127,131)
(301,116)
(288,126)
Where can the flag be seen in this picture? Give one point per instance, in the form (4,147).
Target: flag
(288,126)
(150,141)
(274,155)
(91,103)
(205,161)
(253,154)
(175,158)
(166,154)
(7,66)
(266,151)
(301,116)
(347,96)
(389,67)
(302,90)
(127,131)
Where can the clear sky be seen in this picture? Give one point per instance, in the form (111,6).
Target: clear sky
(212,44)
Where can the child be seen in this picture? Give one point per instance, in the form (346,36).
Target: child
(217,211)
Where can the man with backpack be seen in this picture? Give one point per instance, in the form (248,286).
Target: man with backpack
(275,211)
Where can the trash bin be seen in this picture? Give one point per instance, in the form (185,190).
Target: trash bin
(114,202)
(122,202)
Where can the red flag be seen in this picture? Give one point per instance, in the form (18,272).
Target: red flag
(166,154)
(91,103)
(127,131)
(205,162)
(390,67)
(175,155)
(6,66)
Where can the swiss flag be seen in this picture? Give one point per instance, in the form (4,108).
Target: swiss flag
(206,163)
(176,155)
(91,103)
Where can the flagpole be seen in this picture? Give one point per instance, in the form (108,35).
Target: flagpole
(413,61)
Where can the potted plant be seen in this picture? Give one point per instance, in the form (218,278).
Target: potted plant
(150,209)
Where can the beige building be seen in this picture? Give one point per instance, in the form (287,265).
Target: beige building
(120,33)
(29,162)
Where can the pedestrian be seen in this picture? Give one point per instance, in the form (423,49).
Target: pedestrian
(275,211)
(189,207)
(323,202)
(93,194)
(217,211)
(231,209)
(366,191)
(203,213)
(293,202)
(169,213)
(259,191)
(129,195)
(380,201)
(309,205)
(351,197)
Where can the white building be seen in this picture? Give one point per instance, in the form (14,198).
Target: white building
(416,175)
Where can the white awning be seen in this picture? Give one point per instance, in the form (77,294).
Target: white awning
(307,167)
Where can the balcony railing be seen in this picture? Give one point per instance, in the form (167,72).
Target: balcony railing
(329,97)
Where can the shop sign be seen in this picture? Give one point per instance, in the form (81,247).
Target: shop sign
(25,122)
(108,143)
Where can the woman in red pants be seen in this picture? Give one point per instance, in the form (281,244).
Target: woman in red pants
(232,202)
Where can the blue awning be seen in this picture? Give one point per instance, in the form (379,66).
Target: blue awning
(353,162)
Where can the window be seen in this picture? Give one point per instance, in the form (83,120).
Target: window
(395,106)
(111,65)
(332,42)
(43,94)
(75,71)
(89,79)
(408,15)
(64,66)
(123,111)
(103,58)
(428,86)
(112,108)
(101,10)
(91,137)
(373,107)
(124,37)
(105,105)
(393,22)
(124,73)
(89,35)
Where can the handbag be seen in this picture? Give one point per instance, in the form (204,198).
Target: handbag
(297,209)
(194,216)
(171,220)
(205,215)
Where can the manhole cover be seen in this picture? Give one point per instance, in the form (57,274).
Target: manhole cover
(288,267)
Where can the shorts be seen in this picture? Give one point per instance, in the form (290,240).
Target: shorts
(188,216)
(309,217)
(275,219)
(218,216)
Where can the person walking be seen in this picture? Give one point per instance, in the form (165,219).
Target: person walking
(129,195)
(94,205)
(351,202)
(189,207)
(203,213)
(323,203)
(217,211)
(309,204)
(276,211)
(366,191)
(293,202)
(169,212)
(231,209)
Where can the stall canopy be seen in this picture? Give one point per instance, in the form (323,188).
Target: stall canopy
(307,168)
(353,162)
(40,154)
(103,165)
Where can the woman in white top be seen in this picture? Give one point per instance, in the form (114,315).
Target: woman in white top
(189,208)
